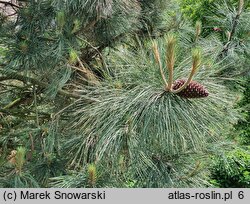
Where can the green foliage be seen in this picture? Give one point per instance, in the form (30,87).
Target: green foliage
(195,10)
(198,10)
(19,181)
(44,168)
(155,16)
(139,121)
(14,173)
(243,126)
(231,170)
(2,51)
(82,93)
(90,176)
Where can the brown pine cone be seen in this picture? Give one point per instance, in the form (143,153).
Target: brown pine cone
(193,90)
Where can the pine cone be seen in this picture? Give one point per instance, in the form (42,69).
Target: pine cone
(193,90)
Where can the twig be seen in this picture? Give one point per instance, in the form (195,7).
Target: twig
(23,114)
(89,55)
(235,23)
(10,4)
(13,14)
(89,74)
(193,172)
(87,27)
(158,60)
(170,59)
(97,50)
(12,104)
(32,148)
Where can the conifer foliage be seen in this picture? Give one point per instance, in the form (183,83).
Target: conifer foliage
(117,93)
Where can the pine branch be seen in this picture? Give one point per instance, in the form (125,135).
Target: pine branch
(12,75)
(23,113)
(88,54)
(87,27)
(234,26)
(89,75)
(193,172)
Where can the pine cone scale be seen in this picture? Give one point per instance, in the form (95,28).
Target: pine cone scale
(193,90)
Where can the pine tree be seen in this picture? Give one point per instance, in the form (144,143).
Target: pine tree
(119,93)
